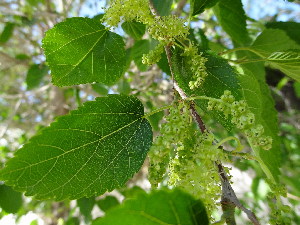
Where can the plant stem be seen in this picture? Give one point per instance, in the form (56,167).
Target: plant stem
(239,145)
(157,110)
(238,49)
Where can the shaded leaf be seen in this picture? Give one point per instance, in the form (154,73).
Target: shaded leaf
(7,32)
(157,208)
(132,192)
(198,6)
(292,29)
(94,149)
(139,48)
(221,77)
(81,50)
(134,29)
(107,203)
(86,206)
(279,50)
(163,7)
(72,221)
(257,94)
(163,64)
(100,89)
(124,87)
(232,18)
(35,75)
(272,40)
(10,200)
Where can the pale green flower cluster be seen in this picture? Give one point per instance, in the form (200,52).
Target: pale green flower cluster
(154,55)
(186,158)
(193,168)
(128,10)
(168,28)
(197,64)
(242,117)
(173,132)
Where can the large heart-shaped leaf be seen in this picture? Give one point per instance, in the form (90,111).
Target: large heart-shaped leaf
(90,151)
(81,50)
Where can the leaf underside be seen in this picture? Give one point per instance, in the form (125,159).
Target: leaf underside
(81,50)
(94,149)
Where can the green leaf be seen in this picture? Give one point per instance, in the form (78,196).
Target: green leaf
(134,29)
(287,61)
(279,50)
(124,87)
(292,29)
(131,192)
(232,18)
(10,200)
(158,208)
(7,32)
(86,206)
(81,50)
(163,64)
(257,94)
(163,7)
(35,75)
(139,48)
(72,221)
(107,203)
(198,6)
(272,40)
(94,149)
(297,89)
(221,77)
(100,89)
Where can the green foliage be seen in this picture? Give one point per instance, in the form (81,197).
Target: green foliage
(232,18)
(81,50)
(185,87)
(259,99)
(7,32)
(159,207)
(163,8)
(107,203)
(86,206)
(270,42)
(292,29)
(10,200)
(221,76)
(134,29)
(140,47)
(287,61)
(35,75)
(198,6)
(90,151)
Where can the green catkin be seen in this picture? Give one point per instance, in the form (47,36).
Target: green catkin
(154,55)
(187,158)
(172,133)
(128,10)
(197,64)
(168,28)
(242,117)
(280,213)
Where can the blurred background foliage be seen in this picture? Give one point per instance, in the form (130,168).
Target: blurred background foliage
(29,102)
